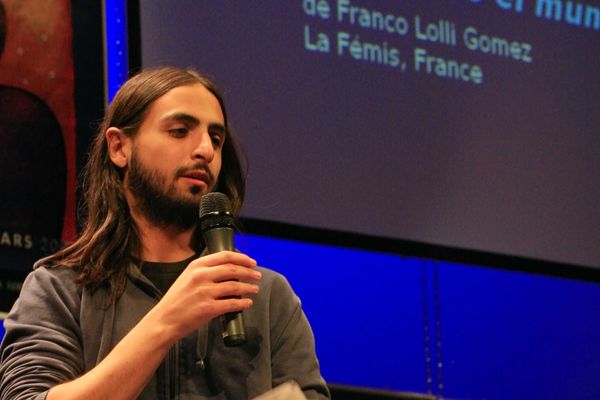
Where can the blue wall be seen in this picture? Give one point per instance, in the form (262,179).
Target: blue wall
(115,31)
(512,335)
(454,330)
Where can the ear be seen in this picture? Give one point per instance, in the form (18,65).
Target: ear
(119,146)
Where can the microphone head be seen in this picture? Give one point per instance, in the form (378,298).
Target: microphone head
(215,211)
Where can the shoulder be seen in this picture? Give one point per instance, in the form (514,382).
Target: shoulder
(56,276)
(271,277)
(47,287)
(277,299)
(276,284)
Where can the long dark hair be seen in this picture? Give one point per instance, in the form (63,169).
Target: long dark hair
(103,252)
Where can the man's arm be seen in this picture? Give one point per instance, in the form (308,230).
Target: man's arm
(42,343)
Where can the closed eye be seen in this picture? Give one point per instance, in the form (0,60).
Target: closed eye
(180,132)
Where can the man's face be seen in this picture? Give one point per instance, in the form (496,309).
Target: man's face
(176,156)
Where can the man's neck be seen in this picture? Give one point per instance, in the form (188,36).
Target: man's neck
(160,244)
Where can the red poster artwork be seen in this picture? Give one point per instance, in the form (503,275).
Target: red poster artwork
(37,130)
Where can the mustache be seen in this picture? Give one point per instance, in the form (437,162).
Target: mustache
(183,171)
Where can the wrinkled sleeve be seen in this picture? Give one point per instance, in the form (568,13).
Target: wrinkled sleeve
(293,353)
(42,344)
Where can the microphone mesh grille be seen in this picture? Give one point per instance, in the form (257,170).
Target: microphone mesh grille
(215,212)
(214,203)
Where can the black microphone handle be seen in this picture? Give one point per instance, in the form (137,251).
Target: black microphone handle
(220,239)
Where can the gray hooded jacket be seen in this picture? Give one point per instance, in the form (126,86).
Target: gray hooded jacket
(57,331)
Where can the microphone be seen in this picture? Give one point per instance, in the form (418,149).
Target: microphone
(216,224)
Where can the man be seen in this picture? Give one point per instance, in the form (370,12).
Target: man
(130,309)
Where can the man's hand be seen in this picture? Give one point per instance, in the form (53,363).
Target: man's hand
(210,286)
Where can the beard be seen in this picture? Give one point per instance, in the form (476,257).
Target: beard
(162,207)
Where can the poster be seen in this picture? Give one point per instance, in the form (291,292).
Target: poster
(37,137)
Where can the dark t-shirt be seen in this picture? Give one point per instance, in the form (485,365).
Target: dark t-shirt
(162,275)
(194,375)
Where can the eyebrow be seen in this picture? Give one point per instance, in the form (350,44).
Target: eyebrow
(181,117)
(191,120)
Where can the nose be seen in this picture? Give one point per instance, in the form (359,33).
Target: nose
(204,149)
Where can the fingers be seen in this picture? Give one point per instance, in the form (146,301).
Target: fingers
(224,257)
(228,272)
(233,305)
(223,266)
(229,289)
(214,299)
(225,306)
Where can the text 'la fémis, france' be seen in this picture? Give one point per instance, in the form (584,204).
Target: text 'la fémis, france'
(396,31)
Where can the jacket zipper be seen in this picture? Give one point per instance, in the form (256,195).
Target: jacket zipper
(173,371)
